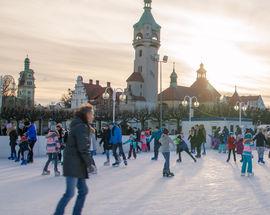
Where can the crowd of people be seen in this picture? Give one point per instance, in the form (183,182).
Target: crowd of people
(75,148)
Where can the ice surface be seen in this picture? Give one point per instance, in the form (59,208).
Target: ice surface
(208,187)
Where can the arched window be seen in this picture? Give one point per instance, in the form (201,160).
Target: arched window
(154,37)
(139,36)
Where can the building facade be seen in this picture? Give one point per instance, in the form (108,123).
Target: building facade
(26,85)
(142,84)
(201,88)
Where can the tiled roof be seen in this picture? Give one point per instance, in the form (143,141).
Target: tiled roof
(93,91)
(135,76)
(176,93)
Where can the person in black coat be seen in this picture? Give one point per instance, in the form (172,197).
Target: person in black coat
(77,160)
(260,145)
(13,137)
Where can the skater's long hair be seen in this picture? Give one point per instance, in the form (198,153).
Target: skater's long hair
(83,111)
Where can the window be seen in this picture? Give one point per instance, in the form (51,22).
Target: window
(141,86)
(30,76)
(29,83)
(154,37)
(29,92)
(140,53)
(139,36)
(140,69)
(141,94)
(129,88)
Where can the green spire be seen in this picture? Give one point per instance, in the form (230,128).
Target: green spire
(147,18)
(173,77)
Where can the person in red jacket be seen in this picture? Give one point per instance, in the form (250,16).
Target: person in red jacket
(231,146)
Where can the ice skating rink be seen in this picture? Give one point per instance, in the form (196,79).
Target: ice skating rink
(209,187)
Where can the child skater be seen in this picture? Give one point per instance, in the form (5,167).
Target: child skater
(240,145)
(231,146)
(181,146)
(247,156)
(165,142)
(143,141)
(133,146)
(53,148)
(13,137)
(23,147)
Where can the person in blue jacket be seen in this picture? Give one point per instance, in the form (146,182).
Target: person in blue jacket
(31,134)
(116,141)
(156,135)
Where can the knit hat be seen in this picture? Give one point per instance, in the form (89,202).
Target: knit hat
(248,136)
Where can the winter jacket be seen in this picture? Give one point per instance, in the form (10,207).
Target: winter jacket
(53,144)
(165,142)
(132,141)
(116,135)
(247,148)
(181,145)
(156,135)
(76,154)
(32,133)
(260,140)
(231,142)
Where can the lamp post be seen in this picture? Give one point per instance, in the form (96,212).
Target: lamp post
(164,60)
(1,92)
(188,101)
(122,97)
(240,106)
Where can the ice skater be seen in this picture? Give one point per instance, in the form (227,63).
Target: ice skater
(260,145)
(231,146)
(53,149)
(144,142)
(247,156)
(13,137)
(165,142)
(133,146)
(23,147)
(181,146)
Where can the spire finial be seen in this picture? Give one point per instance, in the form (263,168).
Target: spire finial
(235,87)
(174,66)
(147,4)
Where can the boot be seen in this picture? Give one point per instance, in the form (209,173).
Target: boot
(116,164)
(24,162)
(107,163)
(250,174)
(243,174)
(125,162)
(57,173)
(170,174)
(46,172)
(178,161)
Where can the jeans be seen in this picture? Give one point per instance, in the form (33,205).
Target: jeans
(222,148)
(247,163)
(260,151)
(13,149)
(156,148)
(107,154)
(31,149)
(121,151)
(199,149)
(71,183)
(166,156)
(51,157)
(204,150)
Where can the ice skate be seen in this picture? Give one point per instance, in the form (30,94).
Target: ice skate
(24,162)
(250,174)
(125,162)
(243,174)
(17,160)
(57,173)
(107,163)
(46,172)
(178,161)
(116,164)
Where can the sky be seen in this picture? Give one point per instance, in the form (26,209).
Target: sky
(93,38)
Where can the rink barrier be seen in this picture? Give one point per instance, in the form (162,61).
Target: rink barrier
(40,146)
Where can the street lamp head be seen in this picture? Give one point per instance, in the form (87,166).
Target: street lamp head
(106,96)
(196,104)
(244,108)
(122,97)
(184,103)
(165,59)
(236,107)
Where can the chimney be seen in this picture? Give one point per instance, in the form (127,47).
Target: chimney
(90,81)
(97,82)
(108,84)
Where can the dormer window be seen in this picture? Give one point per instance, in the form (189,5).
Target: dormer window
(155,37)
